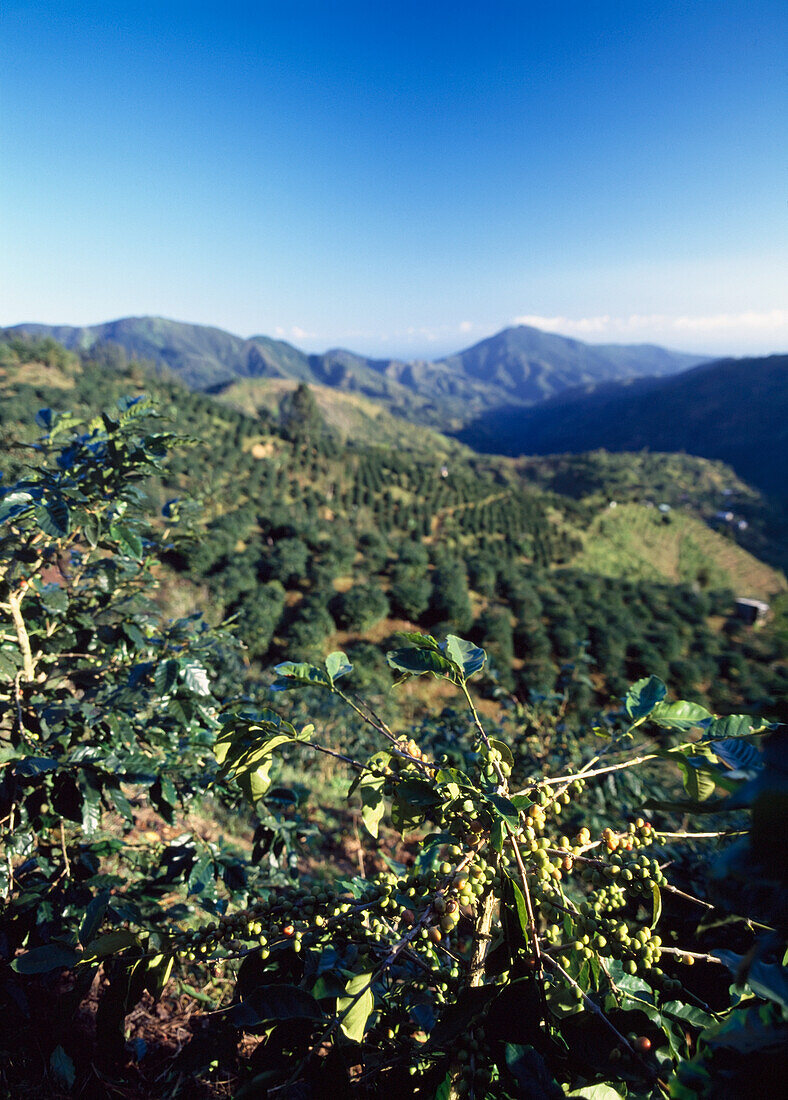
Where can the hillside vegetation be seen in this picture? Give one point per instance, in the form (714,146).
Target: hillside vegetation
(735,410)
(507,885)
(637,542)
(306,539)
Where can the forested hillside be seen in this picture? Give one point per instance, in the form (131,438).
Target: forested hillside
(735,410)
(476,850)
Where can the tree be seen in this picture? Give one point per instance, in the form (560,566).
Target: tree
(450,600)
(361,607)
(301,419)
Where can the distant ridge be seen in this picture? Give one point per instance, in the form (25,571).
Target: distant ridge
(735,410)
(518,366)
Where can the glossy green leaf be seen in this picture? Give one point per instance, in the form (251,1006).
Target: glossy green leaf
(373,806)
(52,956)
(337,665)
(680,715)
(418,662)
(643,696)
(359,1001)
(467,656)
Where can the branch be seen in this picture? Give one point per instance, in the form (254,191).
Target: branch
(14,606)
(535,948)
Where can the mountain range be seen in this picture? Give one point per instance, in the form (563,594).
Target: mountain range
(519,366)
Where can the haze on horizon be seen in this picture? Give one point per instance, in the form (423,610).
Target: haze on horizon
(402,182)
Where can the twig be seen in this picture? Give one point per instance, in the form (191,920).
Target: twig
(700,836)
(691,955)
(535,948)
(63,849)
(589,774)
(597,1011)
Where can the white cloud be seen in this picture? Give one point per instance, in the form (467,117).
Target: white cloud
(466,326)
(738,331)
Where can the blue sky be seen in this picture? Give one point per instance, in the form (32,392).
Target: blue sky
(400,178)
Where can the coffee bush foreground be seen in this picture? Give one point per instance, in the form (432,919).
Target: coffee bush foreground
(513,957)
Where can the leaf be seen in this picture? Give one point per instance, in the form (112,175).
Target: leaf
(505,751)
(196,678)
(111,943)
(467,656)
(497,835)
(54,598)
(91,805)
(294,674)
(52,956)
(419,641)
(91,529)
(656,898)
(737,753)
(354,1023)
(504,809)
(748,1029)
(769,980)
(643,696)
(680,715)
(202,875)
(732,725)
(698,782)
(530,1072)
(337,665)
(166,676)
(596,1092)
(373,805)
(515,917)
(128,540)
(275,1002)
(417,662)
(443,1091)
(32,766)
(254,783)
(53,517)
(712,806)
(61,1067)
(12,504)
(94,915)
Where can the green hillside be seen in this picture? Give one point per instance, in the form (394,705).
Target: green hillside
(350,415)
(637,542)
(330,524)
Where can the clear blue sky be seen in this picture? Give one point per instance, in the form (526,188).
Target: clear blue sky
(400,178)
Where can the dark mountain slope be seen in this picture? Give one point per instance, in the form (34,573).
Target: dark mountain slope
(518,366)
(735,410)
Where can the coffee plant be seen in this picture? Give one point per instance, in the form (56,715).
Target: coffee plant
(510,959)
(511,956)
